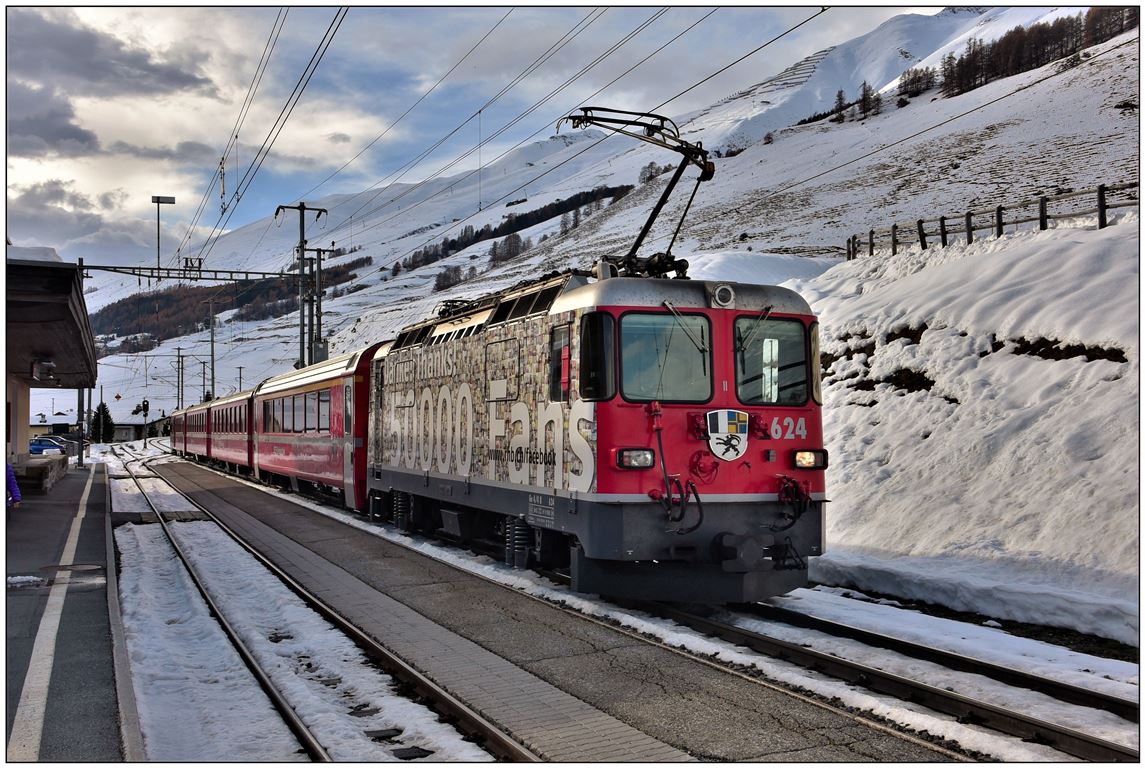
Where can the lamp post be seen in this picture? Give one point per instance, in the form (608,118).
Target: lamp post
(159,200)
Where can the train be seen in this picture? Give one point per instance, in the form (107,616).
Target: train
(655,438)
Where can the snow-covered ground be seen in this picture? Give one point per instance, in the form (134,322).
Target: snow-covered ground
(154,600)
(184,669)
(1008,486)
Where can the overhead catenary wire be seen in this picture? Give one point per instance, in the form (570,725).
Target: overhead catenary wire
(248,100)
(942,123)
(275,130)
(579,27)
(396,175)
(594,144)
(898,142)
(545,125)
(388,128)
(409,109)
(536,105)
(542,128)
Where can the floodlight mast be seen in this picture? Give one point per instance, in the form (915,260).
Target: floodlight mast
(662,132)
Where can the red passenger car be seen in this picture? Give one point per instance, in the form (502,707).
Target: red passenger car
(190,432)
(310,427)
(231,444)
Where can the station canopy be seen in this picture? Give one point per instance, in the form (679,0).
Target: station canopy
(49,342)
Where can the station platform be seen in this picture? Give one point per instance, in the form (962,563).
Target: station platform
(62,631)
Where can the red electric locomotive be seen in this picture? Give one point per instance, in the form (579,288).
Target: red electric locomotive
(662,437)
(310,427)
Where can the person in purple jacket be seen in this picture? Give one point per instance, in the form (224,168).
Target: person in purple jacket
(13,489)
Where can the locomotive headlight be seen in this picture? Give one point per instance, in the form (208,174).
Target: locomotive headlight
(635,458)
(811,459)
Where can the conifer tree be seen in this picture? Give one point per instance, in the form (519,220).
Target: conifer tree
(840,105)
(102,427)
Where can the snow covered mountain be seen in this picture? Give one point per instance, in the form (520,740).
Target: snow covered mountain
(1006,485)
(809,87)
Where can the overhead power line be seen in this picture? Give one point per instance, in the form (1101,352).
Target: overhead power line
(485,140)
(547,123)
(440,80)
(232,137)
(275,130)
(420,99)
(396,175)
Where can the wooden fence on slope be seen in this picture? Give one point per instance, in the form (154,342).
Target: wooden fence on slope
(963,227)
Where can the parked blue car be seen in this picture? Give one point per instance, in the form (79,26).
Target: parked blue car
(37,445)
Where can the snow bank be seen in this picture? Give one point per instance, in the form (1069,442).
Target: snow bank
(998,481)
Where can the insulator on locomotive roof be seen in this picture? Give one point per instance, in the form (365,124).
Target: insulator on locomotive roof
(605,269)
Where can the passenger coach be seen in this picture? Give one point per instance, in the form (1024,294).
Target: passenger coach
(231,446)
(310,427)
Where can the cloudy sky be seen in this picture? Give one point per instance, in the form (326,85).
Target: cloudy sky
(109,106)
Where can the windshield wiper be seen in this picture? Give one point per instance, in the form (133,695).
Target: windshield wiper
(701,346)
(754,329)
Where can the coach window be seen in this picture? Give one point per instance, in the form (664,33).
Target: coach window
(597,356)
(311,411)
(299,413)
(559,364)
(324,411)
(348,408)
(287,414)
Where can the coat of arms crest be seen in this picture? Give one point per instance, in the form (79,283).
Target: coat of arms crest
(728,434)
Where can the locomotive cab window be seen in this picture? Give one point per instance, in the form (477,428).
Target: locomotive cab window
(560,370)
(665,357)
(771,361)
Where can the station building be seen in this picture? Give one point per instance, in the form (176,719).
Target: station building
(49,344)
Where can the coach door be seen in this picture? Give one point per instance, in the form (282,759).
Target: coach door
(349,443)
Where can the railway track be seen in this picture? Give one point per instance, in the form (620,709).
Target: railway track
(447,707)
(291,718)
(965,708)
(1057,689)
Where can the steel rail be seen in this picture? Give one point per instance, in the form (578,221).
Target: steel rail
(466,719)
(305,737)
(1072,694)
(967,710)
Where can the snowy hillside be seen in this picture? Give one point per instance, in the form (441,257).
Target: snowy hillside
(809,87)
(966,469)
